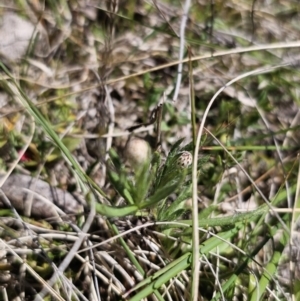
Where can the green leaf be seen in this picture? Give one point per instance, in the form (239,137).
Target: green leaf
(162,276)
(143,180)
(110,211)
(175,147)
(115,159)
(177,208)
(159,195)
(296,289)
(120,185)
(206,212)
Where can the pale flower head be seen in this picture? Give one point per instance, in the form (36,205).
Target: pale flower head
(137,152)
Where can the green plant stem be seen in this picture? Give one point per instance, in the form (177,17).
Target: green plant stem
(246,148)
(161,277)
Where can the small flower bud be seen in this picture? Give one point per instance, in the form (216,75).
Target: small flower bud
(185,159)
(137,152)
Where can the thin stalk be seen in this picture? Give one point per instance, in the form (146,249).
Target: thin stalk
(192,100)
(181,47)
(195,220)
